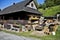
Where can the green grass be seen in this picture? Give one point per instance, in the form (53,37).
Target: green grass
(27,34)
(50,11)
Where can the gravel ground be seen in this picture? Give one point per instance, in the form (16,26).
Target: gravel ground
(7,36)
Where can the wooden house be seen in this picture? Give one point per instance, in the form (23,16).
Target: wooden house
(24,13)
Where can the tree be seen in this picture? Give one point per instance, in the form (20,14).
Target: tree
(57,2)
(39,6)
(36,3)
(44,6)
(49,3)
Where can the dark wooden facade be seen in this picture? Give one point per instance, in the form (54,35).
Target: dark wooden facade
(21,13)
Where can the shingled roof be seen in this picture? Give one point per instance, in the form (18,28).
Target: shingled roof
(21,6)
(50,17)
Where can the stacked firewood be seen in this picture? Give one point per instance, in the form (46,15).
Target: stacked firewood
(50,28)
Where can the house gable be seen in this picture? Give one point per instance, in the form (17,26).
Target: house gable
(32,5)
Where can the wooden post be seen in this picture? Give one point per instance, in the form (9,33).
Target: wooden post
(3,17)
(18,18)
(30,21)
(0,17)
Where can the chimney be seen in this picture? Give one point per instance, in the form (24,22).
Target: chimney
(13,3)
(0,9)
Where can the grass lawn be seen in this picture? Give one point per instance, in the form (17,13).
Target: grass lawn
(27,34)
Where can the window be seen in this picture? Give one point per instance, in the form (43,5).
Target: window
(32,5)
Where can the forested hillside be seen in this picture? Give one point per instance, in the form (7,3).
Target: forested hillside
(51,11)
(49,7)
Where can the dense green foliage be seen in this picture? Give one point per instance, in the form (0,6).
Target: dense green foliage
(57,2)
(49,3)
(50,11)
(49,7)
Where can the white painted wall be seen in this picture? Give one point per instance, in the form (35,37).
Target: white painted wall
(34,6)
